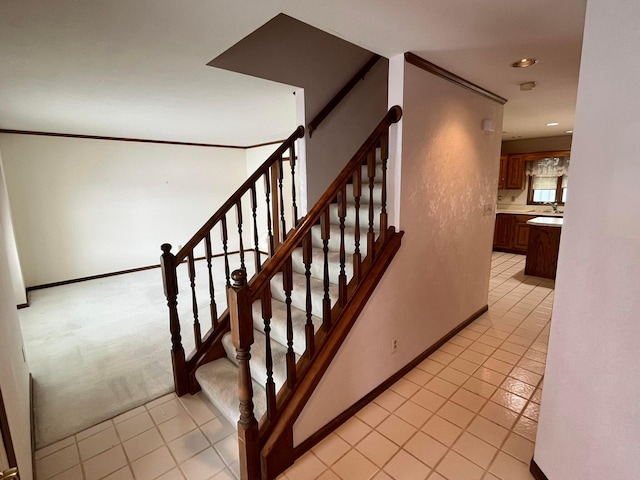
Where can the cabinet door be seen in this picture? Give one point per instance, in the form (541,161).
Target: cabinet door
(521,233)
(515,172)
(502,178)
(503,231)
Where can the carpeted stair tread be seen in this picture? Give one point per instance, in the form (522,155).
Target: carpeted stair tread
(349,238)
(219,383)
(350,217)
(365,194)
(317,264)
(258,358)
(279,324)
(299,292)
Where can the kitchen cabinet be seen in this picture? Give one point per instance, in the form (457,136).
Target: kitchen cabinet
(512,172)
(503,231)
(544,243)
(511,233)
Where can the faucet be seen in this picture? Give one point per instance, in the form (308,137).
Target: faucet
(554,205)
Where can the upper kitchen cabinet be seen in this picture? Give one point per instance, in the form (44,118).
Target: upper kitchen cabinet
(511,172)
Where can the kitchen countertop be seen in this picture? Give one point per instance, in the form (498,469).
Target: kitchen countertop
(525,211)
(546,222)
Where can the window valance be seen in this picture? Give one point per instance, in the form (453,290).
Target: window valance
(549,167)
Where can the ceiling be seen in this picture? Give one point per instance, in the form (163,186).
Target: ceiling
(137,68)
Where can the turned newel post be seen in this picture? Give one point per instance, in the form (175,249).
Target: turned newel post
(239,303)
(170,281)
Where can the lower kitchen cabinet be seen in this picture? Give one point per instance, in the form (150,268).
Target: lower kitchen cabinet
(511,233)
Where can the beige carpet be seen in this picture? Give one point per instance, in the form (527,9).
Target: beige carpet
(102,347)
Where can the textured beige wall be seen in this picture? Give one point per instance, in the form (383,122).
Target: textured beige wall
(440,276)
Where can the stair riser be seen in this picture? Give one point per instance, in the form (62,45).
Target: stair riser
(350,217)
(365,194)
(317,265)
(334,240)
(299,293)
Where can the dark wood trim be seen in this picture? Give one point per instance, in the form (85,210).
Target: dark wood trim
(6,435)
(344,91)
(536,471)
(136,140)
(22,305)
(533,156)
(314,439)
(420,62)
(121,272)
(32,422)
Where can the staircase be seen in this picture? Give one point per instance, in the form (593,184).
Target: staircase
(280,329)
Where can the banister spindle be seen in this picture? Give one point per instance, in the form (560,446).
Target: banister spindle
(239,302)
(371,234)
(256,239)
(240,240)
(283,221)
(307,258)
(287,284)
(225,248)
(170,281)
(357,192)
(275,208)
(384,153)
(342,277)
(197,335)
(267,190)
(213,308)
(326,300)
(267,313)
(292,161)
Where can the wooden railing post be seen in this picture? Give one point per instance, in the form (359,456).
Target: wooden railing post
(170,281)
(242,335)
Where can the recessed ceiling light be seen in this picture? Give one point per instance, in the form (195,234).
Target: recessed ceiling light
(524,62)
(552,124)
(526,86)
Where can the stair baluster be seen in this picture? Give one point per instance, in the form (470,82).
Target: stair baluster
(371,234)
(384,152)
(265,302)
(213,308)
(357,192)
(267,191)
(309,329)
(242,334)
(225,248)
(256,239)
(287,284)
(240,240)
(326,300)
(170,281)
(342,277)
(292,161)
(197,335)
(283,220)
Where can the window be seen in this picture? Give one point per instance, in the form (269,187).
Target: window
(548,179)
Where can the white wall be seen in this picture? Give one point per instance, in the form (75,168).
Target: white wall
(590,415)
(440,275)
(14,372)
(87,207)
(6,221)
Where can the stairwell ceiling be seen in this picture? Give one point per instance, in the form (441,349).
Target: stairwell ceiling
(137,68)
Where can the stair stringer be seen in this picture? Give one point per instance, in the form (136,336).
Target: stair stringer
(277,452)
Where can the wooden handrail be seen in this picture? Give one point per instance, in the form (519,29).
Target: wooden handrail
(274,428)
(216,316)
(333,103)
(260,282)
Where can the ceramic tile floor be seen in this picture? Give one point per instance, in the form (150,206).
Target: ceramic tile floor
(170,438)
(468,412)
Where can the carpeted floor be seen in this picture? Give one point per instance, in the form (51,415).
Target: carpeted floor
(102,347)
